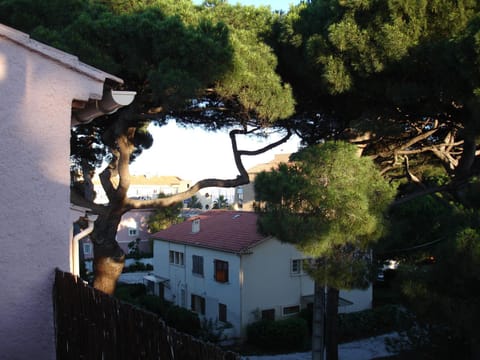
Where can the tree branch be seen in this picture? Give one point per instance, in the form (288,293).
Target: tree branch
(241,179)
(77,199)
(125,147)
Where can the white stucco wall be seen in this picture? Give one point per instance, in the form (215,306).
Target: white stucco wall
(37,89)
(268,282)
(258,281)
(181,278)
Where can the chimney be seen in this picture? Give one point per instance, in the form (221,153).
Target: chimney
(195,225)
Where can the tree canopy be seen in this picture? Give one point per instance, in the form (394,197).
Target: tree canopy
(325,199)
(398,78)
(202,65)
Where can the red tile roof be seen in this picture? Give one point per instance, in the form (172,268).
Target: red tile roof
(225,230)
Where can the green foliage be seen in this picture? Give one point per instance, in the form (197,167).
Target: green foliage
(137,266)
(183,320)
(165,217)
(283,335)
(377,321)
(329,197)
(174,316)
(220,203)
(443,293)
(194,203)
(213,331)
(367,323)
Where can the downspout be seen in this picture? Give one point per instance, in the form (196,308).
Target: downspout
(240,280)
(74,247)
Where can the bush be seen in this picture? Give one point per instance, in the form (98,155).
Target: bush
(154,304)
(283,335)
(174,316)
(131,293)
(138,266)
(377,321)
(183,320)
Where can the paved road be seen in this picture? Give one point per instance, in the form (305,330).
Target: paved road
(358,350)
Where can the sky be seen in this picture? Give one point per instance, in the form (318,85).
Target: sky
(274,4)
(195,154)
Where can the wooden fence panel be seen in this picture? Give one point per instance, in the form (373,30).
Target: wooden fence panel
(91,325)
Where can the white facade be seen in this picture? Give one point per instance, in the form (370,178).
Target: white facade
(261,283)
(38,85)
(183,283)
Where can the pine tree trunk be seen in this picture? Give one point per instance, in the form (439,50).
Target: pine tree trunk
(108,258)
(318,327)
(331,337)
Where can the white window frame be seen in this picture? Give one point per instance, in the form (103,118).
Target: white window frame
(296,267)
(132,231)
(176,258)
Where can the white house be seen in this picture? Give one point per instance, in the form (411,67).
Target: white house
(44,92)
(218,265)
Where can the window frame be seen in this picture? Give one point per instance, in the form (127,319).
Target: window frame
(296,270)
(268,314)
(197,265)
(176,258)
(197,304)
(291,310)
(221,271)
(222,312)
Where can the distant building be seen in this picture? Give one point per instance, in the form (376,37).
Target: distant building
(219,266)
(132,228)
(244,198)
(145,187)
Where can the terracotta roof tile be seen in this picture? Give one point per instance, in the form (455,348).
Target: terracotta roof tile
(225,230)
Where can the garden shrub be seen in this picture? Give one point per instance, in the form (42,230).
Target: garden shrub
(174,316)
(154,304)
(183,320)
(138,266)
(377,321)
(131,293)
(281,335)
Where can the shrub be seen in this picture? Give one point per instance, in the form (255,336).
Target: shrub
(138,266)
(183,320)
(154,304)
(282,335)
(373,322)
(130,293)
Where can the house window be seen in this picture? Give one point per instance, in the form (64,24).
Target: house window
(222,312)
(221,271)
(296,267)
(198,304)
(197,265)
(132,232)
(183,298)
(176,258)
(87,249)
(291,310)
(268,314)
